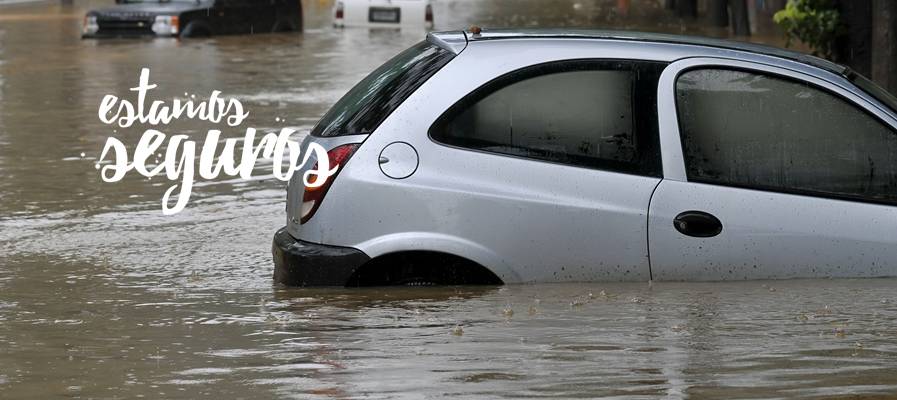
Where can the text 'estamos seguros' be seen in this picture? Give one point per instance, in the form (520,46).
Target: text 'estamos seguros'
(179,162)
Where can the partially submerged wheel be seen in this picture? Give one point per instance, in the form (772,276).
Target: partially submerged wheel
(196,29)
(422,269)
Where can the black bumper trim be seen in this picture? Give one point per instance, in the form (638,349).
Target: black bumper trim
(299,263)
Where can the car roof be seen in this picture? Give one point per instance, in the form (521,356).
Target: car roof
(456,41)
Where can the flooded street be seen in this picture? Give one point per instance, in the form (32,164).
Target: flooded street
(101,296)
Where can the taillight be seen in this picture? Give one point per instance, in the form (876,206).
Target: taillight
(429,15)
(339,10)
(313,196)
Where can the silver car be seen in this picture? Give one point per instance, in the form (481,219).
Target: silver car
(489,157)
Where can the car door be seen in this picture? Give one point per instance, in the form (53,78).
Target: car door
(771,173)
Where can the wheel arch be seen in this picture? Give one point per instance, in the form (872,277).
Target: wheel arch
(197,27)
(421,268)
(440,244)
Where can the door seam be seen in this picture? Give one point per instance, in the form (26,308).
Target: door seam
(648,231)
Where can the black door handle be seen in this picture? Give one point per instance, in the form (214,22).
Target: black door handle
(698,224)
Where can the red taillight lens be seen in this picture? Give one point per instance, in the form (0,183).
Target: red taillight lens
(313,196)
(429,16)
(339,10)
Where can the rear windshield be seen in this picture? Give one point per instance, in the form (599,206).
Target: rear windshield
(372,100)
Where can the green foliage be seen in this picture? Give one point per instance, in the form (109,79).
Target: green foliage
(817,23)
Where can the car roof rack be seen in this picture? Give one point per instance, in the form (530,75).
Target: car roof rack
(452,41)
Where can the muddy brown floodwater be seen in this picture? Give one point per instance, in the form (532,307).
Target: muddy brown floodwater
(103,297)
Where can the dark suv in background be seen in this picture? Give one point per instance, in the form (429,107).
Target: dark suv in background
(193,18)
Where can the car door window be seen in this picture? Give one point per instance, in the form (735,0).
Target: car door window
(597,114)
(753,130)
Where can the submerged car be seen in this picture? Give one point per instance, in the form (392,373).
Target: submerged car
(383,13)
(192,18)
(496,157)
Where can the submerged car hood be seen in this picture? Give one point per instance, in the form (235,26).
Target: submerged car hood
(145,9)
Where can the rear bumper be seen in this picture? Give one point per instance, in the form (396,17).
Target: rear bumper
(298,263)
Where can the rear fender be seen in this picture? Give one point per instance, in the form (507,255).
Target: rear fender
(296,186)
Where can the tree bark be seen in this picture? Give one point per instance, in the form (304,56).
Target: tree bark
(623,6)
(855,48)
(718,12)
(741,22)
(687,8)
(884,44)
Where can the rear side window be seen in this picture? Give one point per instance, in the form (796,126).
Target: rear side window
(368,104)
(759,131)
(588,113)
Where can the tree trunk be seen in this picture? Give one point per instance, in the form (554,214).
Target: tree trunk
(884,44)
(623,6)
(718,12)
(741,22)
(855,48)
(687,8)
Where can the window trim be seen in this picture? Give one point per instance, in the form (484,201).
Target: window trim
(767,188)
(654,169)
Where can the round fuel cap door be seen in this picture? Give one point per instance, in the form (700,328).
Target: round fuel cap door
(398,160)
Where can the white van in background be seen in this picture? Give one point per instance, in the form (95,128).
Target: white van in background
(383,13)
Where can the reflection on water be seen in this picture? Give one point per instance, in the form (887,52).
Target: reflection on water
(102,335)
(102,296)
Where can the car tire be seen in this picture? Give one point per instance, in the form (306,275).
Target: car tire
(196,29)
(421,268)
